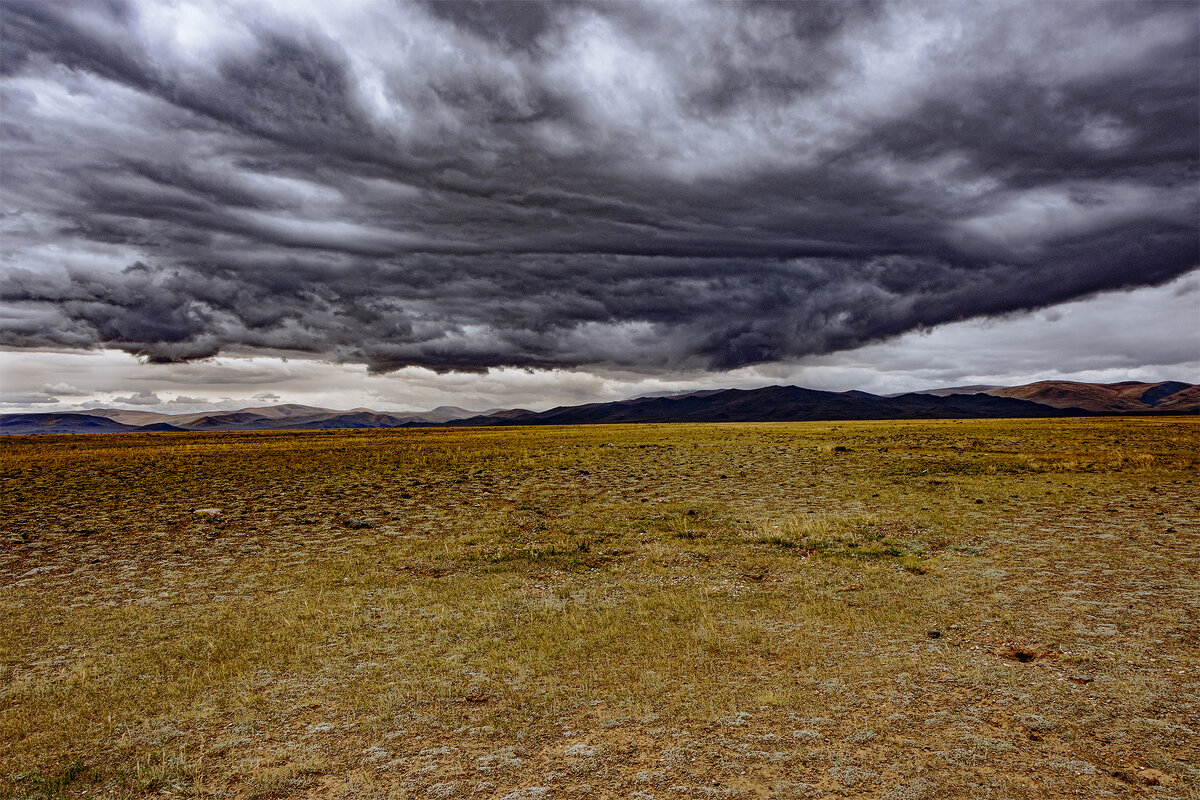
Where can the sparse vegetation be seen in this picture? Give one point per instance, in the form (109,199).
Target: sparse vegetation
(904,609)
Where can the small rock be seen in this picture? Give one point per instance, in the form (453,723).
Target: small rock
(207,512)
(935,634)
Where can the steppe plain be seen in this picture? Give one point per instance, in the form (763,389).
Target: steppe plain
(899,610)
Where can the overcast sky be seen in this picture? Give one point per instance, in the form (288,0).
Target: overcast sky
(489,204)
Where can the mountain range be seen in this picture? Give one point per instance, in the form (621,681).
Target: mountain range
(769,404)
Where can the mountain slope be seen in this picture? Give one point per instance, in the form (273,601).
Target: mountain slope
(977,388)
(1108,398)
(286,416)
(1185,400)
(776,404)
(72,423)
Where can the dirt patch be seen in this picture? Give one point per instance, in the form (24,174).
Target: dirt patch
(1026,653)
(1148,777)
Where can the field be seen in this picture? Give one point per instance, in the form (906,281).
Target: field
(907,610)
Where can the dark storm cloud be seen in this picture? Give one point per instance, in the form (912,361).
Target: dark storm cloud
(661,186)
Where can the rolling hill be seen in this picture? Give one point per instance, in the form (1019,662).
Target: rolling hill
(1126,397)
(769,404)
(776,404)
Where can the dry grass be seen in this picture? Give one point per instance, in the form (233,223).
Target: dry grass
(680,611)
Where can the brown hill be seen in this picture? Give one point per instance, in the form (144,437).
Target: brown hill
(1185,400)
(1126,397)
(776,404)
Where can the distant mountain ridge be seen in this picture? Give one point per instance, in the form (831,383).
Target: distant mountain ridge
(1125,397)
(1108,398)
(775,404)
(74,422)
(769,404)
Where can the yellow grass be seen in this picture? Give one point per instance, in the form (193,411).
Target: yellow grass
(722,608)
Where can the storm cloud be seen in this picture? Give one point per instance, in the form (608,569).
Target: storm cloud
(646,187)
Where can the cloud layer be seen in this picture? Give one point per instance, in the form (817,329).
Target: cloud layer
(657,187)
(1144,345)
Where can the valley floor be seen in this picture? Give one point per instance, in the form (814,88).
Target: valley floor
(989,608)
